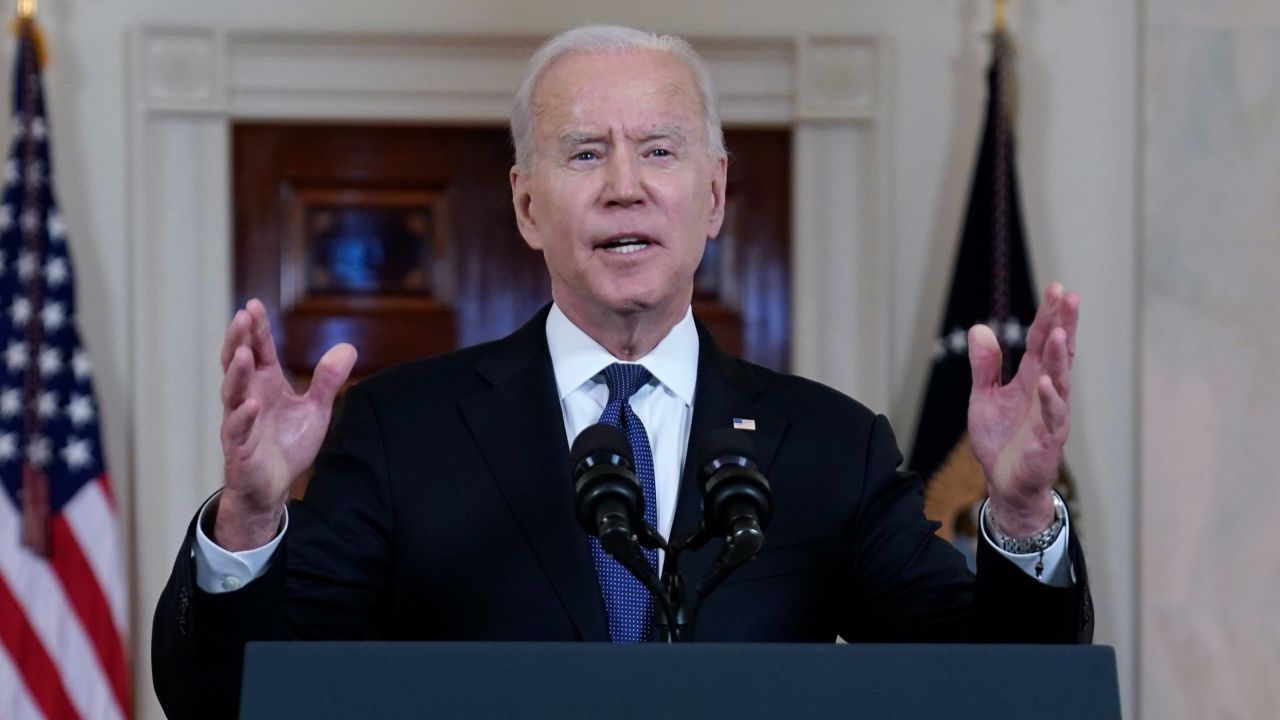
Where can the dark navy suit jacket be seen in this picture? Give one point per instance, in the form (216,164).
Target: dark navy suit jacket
(443,510)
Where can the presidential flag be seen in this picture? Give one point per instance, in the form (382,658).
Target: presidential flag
(62,591)
(991,283)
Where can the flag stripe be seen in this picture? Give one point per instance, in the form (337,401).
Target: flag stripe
(90,606)
(38,591)
(38,672)
(91,519)
(15,702)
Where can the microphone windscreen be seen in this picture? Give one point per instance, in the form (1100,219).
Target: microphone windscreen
(722,442)
(600,438)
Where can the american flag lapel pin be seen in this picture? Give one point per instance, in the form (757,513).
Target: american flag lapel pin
(744,424)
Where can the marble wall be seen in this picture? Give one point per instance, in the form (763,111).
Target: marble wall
(1209,493)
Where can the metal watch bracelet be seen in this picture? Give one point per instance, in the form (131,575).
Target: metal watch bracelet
(1028,545)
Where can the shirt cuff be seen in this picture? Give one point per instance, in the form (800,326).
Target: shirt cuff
(1056,571)
(219,570)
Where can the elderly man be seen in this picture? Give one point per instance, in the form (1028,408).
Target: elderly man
(443,509)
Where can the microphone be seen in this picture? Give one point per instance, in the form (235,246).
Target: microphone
(610,504)
(607,493)
(737,502)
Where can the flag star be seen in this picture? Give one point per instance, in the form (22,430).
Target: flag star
(10,402)
(11,171)
(939,349)
(55,271)
(38,128)
(50,361)
(30,220)
(53,316)
(35,174)
(77,454)
(80,409)
(20,311)
(27,265)
(80,364)
(6,217)
(47,405)
(16,356)
(57,226)
(1012,332)
(8,446)
(957,341)
(39,451)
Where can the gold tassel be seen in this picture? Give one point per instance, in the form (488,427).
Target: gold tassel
(27,25)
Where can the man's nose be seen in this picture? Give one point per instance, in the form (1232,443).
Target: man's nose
(623,185)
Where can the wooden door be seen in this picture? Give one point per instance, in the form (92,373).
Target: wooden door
(402,240)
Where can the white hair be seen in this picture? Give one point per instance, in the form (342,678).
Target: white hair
(608,39)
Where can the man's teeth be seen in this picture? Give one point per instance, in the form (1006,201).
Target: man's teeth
(627,246)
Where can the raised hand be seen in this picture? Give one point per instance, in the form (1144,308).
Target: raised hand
(270,434)
(1018,430)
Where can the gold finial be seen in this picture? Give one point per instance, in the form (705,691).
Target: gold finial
(26,9)
(1002,15)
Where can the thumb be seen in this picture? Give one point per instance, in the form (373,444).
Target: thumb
(331,372)
(984,357)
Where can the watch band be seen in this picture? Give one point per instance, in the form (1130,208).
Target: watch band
(1036,543)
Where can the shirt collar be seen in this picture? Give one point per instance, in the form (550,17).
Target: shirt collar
(576,358)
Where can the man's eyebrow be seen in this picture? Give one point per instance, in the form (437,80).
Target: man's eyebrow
(577,137)
(664,132)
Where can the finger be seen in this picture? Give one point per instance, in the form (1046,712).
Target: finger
(985,357)
(1069,319)
(264,346)
(1044,320)
(235,337)
(331,372)
(235,384)
(1057,364)
(1054,410)
(237,427)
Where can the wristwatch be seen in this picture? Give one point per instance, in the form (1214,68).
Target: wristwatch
(1037,543)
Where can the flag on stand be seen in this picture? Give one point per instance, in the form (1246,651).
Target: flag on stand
(992,284)
(63,596)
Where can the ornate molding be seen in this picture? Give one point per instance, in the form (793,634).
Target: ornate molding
(181,69)
(835,78)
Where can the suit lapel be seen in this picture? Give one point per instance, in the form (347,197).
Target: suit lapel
(520,430)
(727,389)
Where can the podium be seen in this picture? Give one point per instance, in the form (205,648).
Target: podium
(321,680)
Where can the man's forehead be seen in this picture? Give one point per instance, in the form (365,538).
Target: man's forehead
(647,88)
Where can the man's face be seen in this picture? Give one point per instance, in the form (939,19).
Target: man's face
(623,193)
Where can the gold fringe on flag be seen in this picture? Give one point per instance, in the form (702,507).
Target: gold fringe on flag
(25,25)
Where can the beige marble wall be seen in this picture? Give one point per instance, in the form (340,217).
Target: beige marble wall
(1209,635)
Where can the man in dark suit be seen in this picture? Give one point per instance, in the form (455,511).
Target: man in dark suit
(443,509)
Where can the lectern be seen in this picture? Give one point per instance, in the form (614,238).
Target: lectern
(321,680)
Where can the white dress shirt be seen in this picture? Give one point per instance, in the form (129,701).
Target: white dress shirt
(665,406)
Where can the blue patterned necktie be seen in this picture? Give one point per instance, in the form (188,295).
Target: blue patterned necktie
(627,602)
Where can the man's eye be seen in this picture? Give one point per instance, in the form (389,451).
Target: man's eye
(584,155)
(660,152)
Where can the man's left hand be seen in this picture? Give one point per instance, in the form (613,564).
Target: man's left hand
(1018,430)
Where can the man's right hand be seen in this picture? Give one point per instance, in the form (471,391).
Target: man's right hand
(270,434)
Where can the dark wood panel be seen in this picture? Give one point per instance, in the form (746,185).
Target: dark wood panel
(477,280)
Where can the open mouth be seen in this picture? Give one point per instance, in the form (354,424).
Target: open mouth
(625,245)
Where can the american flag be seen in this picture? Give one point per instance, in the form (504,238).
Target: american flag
(63,599)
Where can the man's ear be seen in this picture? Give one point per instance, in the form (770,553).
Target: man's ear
(522,200)
(719,177)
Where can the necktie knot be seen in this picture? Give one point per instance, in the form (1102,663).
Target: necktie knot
(624,379)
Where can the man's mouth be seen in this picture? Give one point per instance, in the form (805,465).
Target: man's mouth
(625,244)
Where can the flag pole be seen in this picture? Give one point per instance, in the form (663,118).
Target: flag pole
(26,9)
(1001,22)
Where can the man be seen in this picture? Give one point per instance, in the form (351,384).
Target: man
(443,509)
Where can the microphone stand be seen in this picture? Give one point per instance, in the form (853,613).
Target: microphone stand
(679,607)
